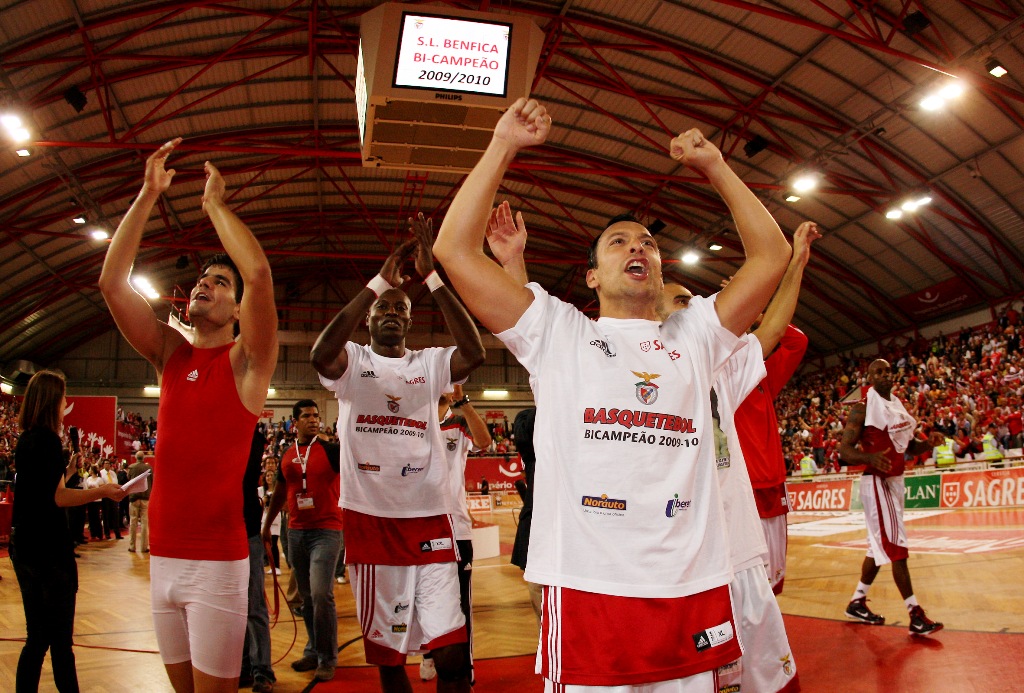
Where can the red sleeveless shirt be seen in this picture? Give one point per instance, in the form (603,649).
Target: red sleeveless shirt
(203,437)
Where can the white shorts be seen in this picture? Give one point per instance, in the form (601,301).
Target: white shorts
(767,663)
(882,498)
(698,683)
(403,609)
(776,536)
(199,612)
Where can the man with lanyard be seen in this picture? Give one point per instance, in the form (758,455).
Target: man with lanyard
(308,481)
(463,432)
(399,545)
(879,433)
(623,430)
(197,537)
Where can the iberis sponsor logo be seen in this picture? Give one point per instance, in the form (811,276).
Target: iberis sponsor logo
(399,607)
(367,374)
(604,346)
(628,418)
(399,628)
(675,505)
(450,443)
(367,467)
(392,403)
(603,505)
(418,380)
(646,391)
(409,469)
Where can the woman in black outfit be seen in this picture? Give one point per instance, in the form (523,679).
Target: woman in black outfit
(41,546)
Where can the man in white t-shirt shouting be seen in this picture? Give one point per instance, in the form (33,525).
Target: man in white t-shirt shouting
(396,505)
(628,519)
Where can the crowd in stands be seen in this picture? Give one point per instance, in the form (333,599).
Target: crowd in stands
(968,385)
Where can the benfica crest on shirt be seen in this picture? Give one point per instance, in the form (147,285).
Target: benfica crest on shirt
(451,443)
(392,403)
(646,391)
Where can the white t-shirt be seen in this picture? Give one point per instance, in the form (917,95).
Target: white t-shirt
(392,460)
(747,547)
(626,498)
(457,444)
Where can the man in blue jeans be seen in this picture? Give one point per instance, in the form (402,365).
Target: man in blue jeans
(308,481)
(256,667)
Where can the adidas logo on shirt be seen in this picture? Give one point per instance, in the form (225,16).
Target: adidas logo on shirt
(367,374)
(193,376)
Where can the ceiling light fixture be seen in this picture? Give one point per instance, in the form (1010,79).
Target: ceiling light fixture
(145,287)
(101,235)
(23,152)
(894,214)
(805,182)
(690,257)
(793,198)
(79,220)
(714,246)
(995,68)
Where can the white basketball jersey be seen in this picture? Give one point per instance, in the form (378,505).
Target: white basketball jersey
(626,499)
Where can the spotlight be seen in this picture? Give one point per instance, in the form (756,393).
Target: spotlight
(690,258)
(20,135)
(10,121)
(755,146)
(805,183)
(923,200)
(792,198)
(932,103)
(75,98)
(951,90)
(144,287)
(99,235)
(714,246)
(23,152)
(79,220)
(894,214)
(656,227)
(909,206)
(994,68)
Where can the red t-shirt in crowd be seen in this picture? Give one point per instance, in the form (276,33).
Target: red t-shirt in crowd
(195,508)
(323,486)
(758,426)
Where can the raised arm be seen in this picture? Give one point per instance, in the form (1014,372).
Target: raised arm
(507,240)
(153,339)
(494,297)
(478,431)
(766,249)
(780,311)
(328,356)
(469,348)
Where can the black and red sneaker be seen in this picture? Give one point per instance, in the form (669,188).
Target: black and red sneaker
(858,610)
(921,624)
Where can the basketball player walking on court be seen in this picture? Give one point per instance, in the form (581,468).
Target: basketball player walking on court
(879,433)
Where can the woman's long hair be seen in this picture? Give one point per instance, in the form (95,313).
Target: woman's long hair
(43,401)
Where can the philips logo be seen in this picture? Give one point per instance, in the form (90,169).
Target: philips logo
(448,97)
(675,505)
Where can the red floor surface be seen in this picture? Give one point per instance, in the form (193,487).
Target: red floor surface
(831,657)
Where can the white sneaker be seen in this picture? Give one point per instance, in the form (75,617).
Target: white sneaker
(342,580)
(427,670)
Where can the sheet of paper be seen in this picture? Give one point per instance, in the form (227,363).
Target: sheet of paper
(139,484)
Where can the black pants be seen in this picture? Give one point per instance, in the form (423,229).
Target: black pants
(48,593)
(111,518)
(95,526)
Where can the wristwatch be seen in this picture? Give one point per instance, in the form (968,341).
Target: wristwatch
(458,403)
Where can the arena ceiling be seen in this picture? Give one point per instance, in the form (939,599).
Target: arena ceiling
(264,89)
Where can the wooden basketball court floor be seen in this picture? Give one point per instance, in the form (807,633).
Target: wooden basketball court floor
(967,568)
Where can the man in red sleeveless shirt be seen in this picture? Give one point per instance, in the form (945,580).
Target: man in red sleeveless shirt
(880,433)
(198,537)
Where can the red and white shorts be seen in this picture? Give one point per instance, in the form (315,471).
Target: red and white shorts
(406,609)
(882,498)
(592,639)
(776,535)
(767,664)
